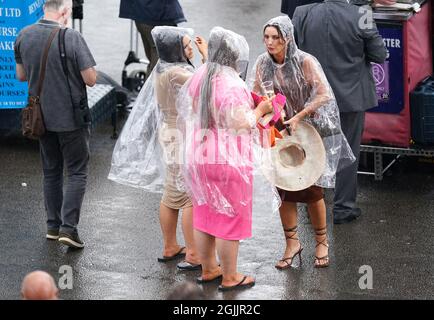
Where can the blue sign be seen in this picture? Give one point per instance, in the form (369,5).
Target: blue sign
(389,76)
(14,15)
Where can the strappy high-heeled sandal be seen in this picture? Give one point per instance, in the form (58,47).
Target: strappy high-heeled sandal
(290,259)
(321,232)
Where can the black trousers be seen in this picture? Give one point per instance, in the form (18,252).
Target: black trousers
(352,124)
(69,150)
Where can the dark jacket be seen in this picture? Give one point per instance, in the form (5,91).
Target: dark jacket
(152,12)
(330,31)
(288,6)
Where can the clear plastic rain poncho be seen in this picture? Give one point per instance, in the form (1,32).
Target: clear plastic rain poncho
(145,155)
(216,115)
(302,81)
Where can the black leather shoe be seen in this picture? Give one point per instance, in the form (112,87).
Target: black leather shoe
(72,241)
(342,218)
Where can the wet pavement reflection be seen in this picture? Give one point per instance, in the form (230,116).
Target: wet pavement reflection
(120,225)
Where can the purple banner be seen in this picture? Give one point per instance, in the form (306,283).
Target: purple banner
(389,76)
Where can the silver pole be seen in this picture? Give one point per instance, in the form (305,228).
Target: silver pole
(137,41)
(131,35)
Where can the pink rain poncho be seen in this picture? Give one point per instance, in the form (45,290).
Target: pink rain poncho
(216,116)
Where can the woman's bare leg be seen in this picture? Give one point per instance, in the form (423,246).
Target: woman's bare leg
(288,216)
(187,230)
(228,254)
(168,224)
(317,212)
(206,250)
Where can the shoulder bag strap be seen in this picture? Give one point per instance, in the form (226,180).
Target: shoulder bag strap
(44,60)
(63,58)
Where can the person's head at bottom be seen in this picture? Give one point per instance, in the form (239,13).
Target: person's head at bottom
(39,285)
(186,291)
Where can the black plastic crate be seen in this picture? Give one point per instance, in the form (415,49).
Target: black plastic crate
(422,112)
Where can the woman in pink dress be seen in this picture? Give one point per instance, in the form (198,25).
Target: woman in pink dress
(219,121)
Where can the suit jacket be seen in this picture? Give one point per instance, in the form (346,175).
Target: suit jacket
(288,6)
(330,31)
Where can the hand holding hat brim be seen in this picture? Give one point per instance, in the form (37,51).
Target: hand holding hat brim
(297,161)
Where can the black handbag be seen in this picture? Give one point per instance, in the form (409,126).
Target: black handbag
(82,115)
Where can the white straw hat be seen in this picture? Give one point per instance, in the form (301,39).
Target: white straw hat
(297,161)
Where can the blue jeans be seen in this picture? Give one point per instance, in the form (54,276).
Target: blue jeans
(69,150)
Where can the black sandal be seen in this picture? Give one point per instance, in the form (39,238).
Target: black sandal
(240,285)
(200,280)
(321,232)
(179,254)
(188,266)
(292,237)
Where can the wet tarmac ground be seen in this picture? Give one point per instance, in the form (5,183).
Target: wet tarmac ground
(120,225)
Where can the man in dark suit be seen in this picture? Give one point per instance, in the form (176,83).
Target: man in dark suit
(345,48)
(288,6)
